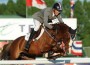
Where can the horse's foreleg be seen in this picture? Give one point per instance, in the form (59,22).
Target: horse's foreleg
(14,54)
(27,58)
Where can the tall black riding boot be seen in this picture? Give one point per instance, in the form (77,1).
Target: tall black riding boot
(29,40)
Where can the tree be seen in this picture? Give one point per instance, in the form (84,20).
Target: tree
(21,8)
(2,8)
(85,4)
(78,12)
(82,22)
(86,35)
(66,8)
(10,7)
(49,3)
(88,9)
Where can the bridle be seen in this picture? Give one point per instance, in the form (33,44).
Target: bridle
(54,36)
(57,42)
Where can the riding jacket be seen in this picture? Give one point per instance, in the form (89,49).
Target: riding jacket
(44,15)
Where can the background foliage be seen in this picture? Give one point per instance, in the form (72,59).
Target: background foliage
(12,8)
(81,12)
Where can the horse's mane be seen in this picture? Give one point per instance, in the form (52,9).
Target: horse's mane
(62,27)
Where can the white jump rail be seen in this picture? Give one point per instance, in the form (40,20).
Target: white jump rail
(46,61)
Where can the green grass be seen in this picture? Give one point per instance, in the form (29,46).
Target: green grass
(87,51)
(86,41)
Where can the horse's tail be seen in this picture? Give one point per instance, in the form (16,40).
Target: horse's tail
(5,52)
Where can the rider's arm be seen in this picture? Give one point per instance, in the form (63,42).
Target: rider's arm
(60,19)
(46,16)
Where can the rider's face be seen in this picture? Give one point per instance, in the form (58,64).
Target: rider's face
(56,13)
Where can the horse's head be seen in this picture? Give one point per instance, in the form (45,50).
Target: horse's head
(61,36)
(61,31)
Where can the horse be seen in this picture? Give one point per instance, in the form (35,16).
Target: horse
(50,40)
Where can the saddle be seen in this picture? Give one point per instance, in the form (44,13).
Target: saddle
(35,36)
(38,34)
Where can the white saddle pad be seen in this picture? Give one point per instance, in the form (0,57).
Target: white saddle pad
(28,35)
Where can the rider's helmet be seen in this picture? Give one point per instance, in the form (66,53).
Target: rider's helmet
(58,7)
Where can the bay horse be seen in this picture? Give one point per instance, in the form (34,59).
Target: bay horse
(49,41)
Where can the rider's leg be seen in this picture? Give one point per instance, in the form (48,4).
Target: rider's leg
(33,32)
(30,38)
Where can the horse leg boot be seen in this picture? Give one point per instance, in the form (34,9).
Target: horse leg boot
(30,38)
(50,53)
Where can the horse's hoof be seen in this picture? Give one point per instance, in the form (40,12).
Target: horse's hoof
(51,58)
(22,54)
(54,58)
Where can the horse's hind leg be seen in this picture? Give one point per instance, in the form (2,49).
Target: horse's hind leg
(5,52)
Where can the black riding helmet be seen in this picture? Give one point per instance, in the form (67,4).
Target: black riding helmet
(58,7)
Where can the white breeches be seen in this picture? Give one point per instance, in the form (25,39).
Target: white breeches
(37,25)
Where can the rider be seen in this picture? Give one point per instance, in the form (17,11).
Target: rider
(42,17)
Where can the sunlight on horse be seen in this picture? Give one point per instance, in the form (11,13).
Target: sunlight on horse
(44,44)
